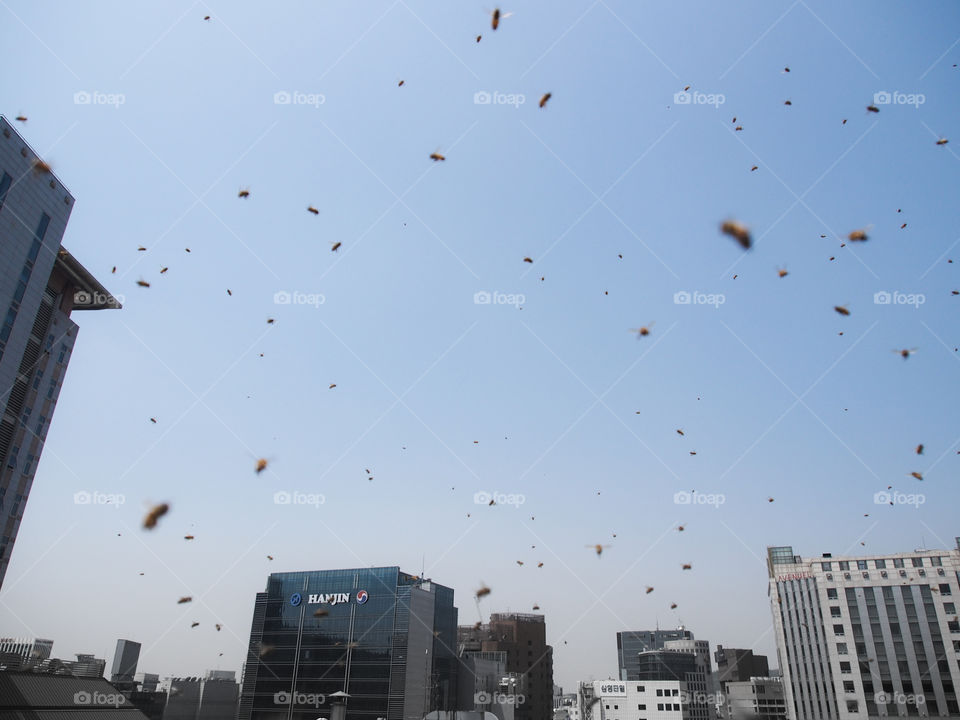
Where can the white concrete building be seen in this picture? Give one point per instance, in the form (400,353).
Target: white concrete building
(634,700)
(867,637)
(759,698)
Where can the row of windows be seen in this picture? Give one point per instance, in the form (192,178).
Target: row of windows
(916,562)
(24,279)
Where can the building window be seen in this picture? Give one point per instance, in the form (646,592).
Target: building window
(826,567)
(944,589)
(4,186)
(848,686)
(660,707)
(831,593)
(640,689)
(898,562)
(852,706)
(659,692)
(844,565)
(641,706)
(835,611)
(949,608)
(838,629)
(936,562)
(953,626)
(841,648)
(880,564)
(844,667)
(861,564)
(917,562)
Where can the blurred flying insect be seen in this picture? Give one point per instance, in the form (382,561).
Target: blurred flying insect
(194,624)
(679,431)
(649,590)
(321,612)
(916,475)
(840,308)
(738,128)
(920,449)
(536,607)
(599,548)
(873,108)
(206,17)
(163,270)
(218,626)
(528,260)
(786,69)
(244,193)
(539,564)
(229,292)
(769,499)
(787,102)
(905,353)
(543,100)
(332,386)
(687,566)
(21,118)
(400,84)
(643,331)
(188,537)
(270,321)
(260,466)
(520,562)
(39,166)
(156,512)
(680,528)
(153,420)
(496,16)
(844,122)
(269,557)
(738,232)
(479,37)
(335,246)
(782,272)
(141,248)
(859,235)
(941,141)
(435,156)
(483,591)
(183,600)
(903,226)
(114,271)
(753,168)
(673,606)
(312,209)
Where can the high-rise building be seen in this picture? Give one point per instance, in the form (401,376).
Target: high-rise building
(212,697)
(125,663)
(40,284)
(384,638)
(631,643)
(865,637)
(23,653)
(523,637)
(739,665)
(759,698)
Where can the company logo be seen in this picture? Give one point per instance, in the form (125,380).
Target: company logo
(329,598)
(793,576)
(613,689)
(362,597)
(296,599)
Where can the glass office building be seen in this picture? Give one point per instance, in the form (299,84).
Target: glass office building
(384,638)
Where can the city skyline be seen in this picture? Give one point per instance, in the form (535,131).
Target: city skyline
(400,387)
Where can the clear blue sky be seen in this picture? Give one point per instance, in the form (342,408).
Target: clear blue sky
(440,397)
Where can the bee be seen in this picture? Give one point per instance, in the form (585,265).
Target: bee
(269,557)
(483,591)
(920,449)
(858,236)
(738,128)
(335,246)
(187,249)
(206,17)
(259,468)
(905,353)
(21,118)
(528,260)
(769,499)
(265,650)
(738,232)
(183,600)
(543,100)
(844,122)
(787,102)
(188,537)
(687,566)
(114,271)
(321,612)
(194,624)
(244,193)
(496,17)
(163,270)
(156,512)
(941,141)
(786,69)
(539,564)
(520,562)
(679,432)
(153,420)
(39,166)
(673,606)
(686,88)
(218,626)
(782,272)
(229,293)
(649,590)
(693,452)
(479,37)
(491,503)
(873,108)
(840,308)
(143,283)
(400,84)
(312,209)
(903,226)
(753,168)
(141,248)
(435,156)
(916,475)
(332,386)
(680,528)
(734,120)
(599,548)
(536,607)
(270,321)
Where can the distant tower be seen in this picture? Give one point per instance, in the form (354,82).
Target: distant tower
(125,663)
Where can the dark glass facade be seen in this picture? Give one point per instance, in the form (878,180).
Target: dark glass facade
(385,638)
(631,643)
